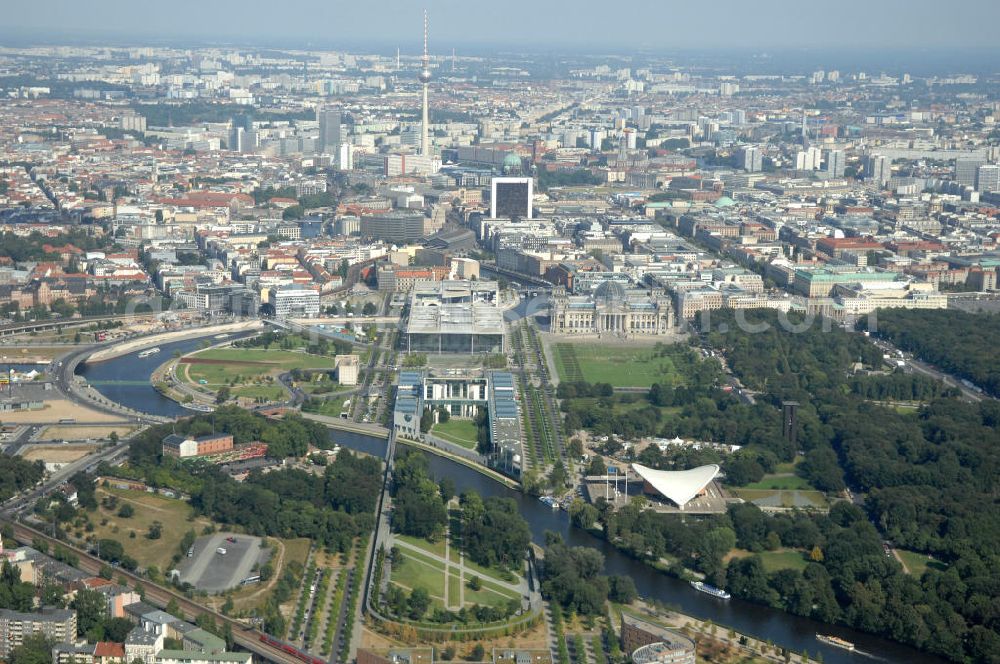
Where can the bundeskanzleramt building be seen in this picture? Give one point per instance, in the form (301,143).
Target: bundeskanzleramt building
(58,625)
(463,393)
(611,309)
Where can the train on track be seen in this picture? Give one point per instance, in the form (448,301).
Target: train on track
(291,650)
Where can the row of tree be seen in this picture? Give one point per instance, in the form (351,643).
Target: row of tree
(956,341)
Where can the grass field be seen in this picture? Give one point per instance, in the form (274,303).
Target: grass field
(173,514)
(419,570)
(259,363)
(413,570)
(774,560)
(485,573)
(434,548)
(621,366)
(917,563)
(454,588)
(460,432)
(774,498)
(782,482)
(329,407)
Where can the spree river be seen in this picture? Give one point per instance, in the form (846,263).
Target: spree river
(122,379)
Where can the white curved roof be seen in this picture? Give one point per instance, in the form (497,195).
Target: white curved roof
(680,486)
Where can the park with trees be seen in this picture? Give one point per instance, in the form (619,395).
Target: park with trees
(927,474)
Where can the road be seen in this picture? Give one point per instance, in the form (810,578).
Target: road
(927,369)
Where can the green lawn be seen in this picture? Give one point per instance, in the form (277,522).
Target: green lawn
(329,407)
(460,432)
(622,366)
(454,589)
(917,563)
(778,498)
(434,548)
(488,595)
(416,571)
(784,482)
(269,363)
(485,573)
(777,560)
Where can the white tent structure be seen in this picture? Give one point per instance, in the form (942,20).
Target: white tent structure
(680,486)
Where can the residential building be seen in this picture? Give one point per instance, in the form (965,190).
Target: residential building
(58,625)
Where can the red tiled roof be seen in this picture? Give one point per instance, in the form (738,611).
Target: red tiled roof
(109,649)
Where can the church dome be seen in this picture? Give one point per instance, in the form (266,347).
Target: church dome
(610,291)
(511,163)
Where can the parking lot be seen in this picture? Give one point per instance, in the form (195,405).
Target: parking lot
(207,569)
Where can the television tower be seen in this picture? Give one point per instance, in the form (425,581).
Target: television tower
(425,78)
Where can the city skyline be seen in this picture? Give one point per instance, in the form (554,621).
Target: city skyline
(779,26)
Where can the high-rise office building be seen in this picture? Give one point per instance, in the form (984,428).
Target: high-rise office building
(988,179)
(753,159)
(329,130)
(511,197)
(237,139)
(836,162)
(965,170)
(878,169)
(808,160)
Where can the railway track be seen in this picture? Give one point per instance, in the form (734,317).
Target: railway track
(247,638)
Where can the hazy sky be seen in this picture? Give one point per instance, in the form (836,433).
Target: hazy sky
(647,24)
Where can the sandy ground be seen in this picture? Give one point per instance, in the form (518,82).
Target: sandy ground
(82,433)
(32,353)
(57,409)
(58,453)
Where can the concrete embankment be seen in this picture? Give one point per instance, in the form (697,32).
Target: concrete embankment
(167,337)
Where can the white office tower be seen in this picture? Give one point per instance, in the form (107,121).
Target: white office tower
(833,76)
(966,168)
(878,169)
(808,160)
(988,179)
(345,157)
(597,137)
(836,162)
(329,129)
(739,117)
(753,159)
(237,139)
(425,79)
